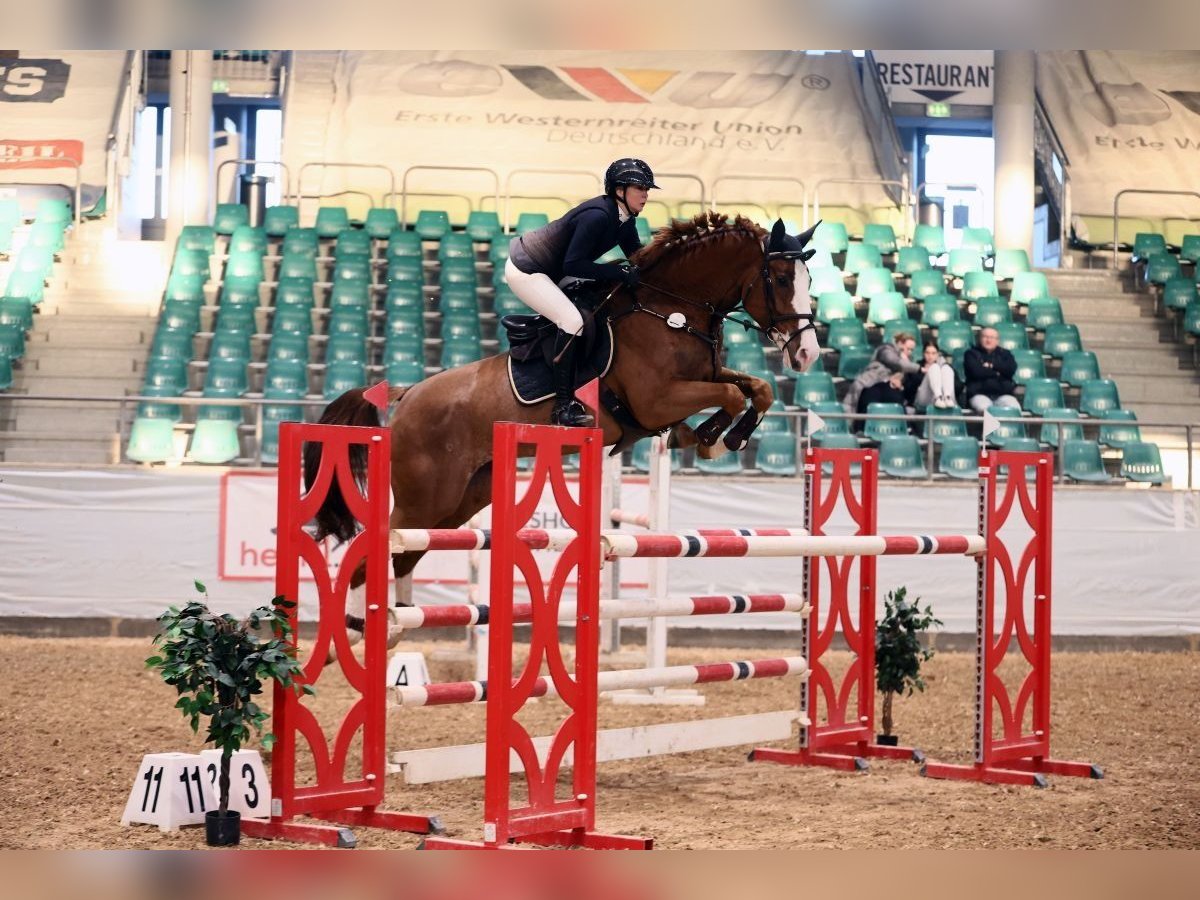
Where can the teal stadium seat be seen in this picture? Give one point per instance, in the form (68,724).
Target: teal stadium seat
(279,219)
(229,216)
(880,236)
(900,456)
(1142,462)
(332,221)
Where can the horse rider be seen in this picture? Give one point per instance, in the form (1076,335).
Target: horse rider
(564,252)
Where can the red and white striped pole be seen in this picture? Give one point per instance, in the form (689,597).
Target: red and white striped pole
(685,545)
(476,691)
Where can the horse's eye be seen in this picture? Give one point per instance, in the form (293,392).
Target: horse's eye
(782,280)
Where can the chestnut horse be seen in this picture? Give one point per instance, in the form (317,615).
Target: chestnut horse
(666,367)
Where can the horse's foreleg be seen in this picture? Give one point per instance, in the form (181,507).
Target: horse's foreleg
(684,398)
(760,394)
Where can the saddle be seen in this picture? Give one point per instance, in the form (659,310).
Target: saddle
(531,351)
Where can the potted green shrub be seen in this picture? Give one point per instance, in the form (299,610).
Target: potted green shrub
(218,665)
(899,653)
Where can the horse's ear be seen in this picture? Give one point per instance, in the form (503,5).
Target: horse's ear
(778,233)
(805,236)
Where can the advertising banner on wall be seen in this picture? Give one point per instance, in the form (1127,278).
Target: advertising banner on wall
(957,77)
(57,107)
(775,118)
(1126,119)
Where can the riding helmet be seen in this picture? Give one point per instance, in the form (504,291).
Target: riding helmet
(628,171)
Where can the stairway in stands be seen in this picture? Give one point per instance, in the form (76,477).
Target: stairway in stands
(1153,374)
(88,340)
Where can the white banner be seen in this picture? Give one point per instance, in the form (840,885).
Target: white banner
(1126,120)
(957,77)
(129,543)
(57,106)
(772,118)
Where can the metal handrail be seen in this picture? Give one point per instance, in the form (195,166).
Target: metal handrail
(783,179)
(1117,204)
(508,180)
(322,164)
(431,168)
(287,173)
(905,202)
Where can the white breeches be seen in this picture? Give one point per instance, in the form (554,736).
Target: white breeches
(542,295)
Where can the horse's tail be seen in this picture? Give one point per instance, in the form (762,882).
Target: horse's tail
(334,518)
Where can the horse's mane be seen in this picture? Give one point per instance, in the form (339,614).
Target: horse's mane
(685,235)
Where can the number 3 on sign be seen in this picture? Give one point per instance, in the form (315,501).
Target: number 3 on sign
(169,790)
(249,787)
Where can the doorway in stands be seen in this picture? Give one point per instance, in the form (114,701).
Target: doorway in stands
(959,171)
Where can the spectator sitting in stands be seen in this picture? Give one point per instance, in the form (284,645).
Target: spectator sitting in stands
(934,385)
(990,369)
(882,381)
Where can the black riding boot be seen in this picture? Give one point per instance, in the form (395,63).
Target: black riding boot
(567,410)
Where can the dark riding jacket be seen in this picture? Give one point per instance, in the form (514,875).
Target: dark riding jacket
(568,247)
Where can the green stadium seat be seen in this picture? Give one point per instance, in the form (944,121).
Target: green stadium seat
(1189,250)
(354,268)
(236,317)
(12,342)
(37,261)
(530,221)
(885,308)
(852,360)
(180,316)
(432,224)
(1010,263)
(639,457)
(352,242)
(1079,366)
(240,292)
(990,311)
(825,281)
(1119,428)
(405,271)
(169,374)
(497,256)
(813,387)
(1028,286)
(16,311)
(832,236)
(278,219)
(457,272)
(483,226)
(1098,396)
(978,240)
(746,356)
(404,372)
(829,411)
(776,422)
(939,432)
(169,344)
(292,320)
(926,283)
(273,416)
(1044,312)
(776,454)
(939,309)
(725,464)
(830,306)
(301,242)
(872,282)
(343,375)
(295,292)
(215,442)
(1141,462)
(1146,245)
(151,440)
(1011,429)
(350,293)
(380,223)
(1030,364)
(1178,292)
(845,333)
(877,429)
(297,266)
(249,240)
(860,257)
(226,377)
(1161,268)
(1042,394)
(456,245)
(346,346)
(930,238)
(979,284)
(188,288)
(460,353)
(197,237)
(910,260)
(960,262)
(404,296)
(506,303)
(959,458)
(229,216)
(47,235)
(52,211)
(286,378)
(244,264)
(287,346)
(332,221)
(407,341)
(881,236)
(230,347)
(1081,461)
(190,264)
(954,335)
(1061,339)
(644,232)
(821,258)
(156,410)
(1056,435)
(459,298)
(958,362)
(1191,319)
(404,245)
(900,456)
(1012,336)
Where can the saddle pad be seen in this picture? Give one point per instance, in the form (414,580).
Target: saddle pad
(532,381)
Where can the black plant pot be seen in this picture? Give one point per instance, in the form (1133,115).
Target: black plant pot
(222,829)
(886,740)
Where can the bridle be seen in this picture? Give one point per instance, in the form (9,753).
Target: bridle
(717,318)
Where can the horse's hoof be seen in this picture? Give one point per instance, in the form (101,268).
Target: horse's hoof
(708,431)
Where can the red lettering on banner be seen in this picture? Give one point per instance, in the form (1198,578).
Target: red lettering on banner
(39,154)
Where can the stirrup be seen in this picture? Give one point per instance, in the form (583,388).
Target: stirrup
(571,414)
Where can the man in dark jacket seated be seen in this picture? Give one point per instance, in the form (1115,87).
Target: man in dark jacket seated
(990,369)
